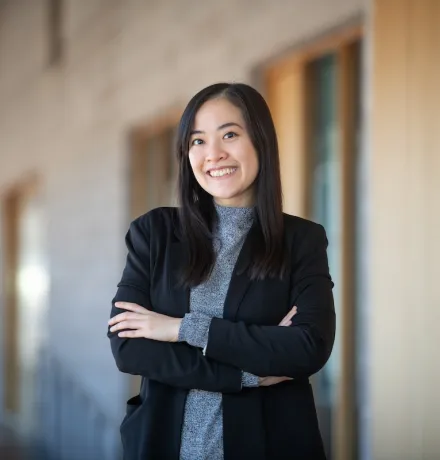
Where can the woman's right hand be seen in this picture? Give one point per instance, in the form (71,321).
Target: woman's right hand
(269,381)
(287,320)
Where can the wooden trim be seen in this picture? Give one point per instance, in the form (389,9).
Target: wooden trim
(155,127)
(289,92)
(138,165)
(315,49)
(287,99)
(140,161)
(404,244)
(345,436)
(11,209)
(11,371)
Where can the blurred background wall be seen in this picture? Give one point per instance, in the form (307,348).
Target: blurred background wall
(90,95)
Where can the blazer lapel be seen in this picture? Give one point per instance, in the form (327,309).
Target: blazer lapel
(180,294)
(238,285)
(240,280)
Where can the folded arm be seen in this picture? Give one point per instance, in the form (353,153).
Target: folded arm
(296,351)
(175,364)
(194,330)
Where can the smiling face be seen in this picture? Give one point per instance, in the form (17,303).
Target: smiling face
(221,154)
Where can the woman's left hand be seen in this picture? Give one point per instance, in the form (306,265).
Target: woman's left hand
(144,323)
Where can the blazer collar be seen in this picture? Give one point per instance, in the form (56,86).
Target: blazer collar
(240,280)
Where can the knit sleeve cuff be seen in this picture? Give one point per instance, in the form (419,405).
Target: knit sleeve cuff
(249,380)
(194,329)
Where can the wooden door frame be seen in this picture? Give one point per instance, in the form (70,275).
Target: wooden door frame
(11,202)
(138,138)
(293,121)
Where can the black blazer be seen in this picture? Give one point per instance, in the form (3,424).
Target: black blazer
(265,423)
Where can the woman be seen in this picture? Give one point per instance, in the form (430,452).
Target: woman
(225,306)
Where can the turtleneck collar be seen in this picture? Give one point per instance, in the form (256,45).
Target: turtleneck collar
(239,218)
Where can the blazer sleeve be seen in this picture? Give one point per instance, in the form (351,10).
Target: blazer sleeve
(296,351)
(175,364)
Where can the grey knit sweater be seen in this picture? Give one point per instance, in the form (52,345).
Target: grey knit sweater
(202,432)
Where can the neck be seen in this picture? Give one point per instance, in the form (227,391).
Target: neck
(234,215)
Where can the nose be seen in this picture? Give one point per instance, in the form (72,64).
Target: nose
(215,153)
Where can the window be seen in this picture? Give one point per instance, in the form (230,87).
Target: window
(153,169)
(314,96)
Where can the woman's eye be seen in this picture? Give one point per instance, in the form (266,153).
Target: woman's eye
(230,135)
(196,142)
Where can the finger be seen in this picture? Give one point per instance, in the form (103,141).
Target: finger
(271,381)
(131,334)
(275,380)
(124,317)
(290,315)
(130,306)
(117,319)
(285,322)
(131,324)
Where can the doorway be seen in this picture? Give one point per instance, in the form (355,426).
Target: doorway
(25,298)
(153,176)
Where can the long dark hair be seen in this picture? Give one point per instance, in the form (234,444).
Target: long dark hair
(197,212)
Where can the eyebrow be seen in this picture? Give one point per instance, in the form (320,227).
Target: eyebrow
(225,125)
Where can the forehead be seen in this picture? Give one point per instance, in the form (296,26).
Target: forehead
(216,112)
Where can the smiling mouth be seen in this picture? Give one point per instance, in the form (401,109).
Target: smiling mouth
(222,172)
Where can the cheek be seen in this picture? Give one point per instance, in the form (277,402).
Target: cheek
(196,165)
(249,158)
(253,165)
(192,161)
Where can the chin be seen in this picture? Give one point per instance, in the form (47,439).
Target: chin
(221,196)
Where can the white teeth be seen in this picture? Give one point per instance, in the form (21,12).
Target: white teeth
(222,172)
